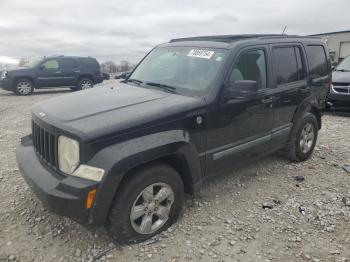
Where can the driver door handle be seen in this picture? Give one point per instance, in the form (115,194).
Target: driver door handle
(58,72)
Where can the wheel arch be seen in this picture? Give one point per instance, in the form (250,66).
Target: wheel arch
(16,78)
(310,106)
(172,148)
(88,76)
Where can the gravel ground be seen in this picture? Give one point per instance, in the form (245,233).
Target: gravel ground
(302,220)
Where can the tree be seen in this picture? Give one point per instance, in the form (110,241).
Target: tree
(22,62)
(125,66)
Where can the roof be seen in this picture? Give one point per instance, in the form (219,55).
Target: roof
(232,38)
(332,33)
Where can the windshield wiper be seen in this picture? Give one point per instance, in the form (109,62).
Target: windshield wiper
(167,88)
(342,70)
(139,82)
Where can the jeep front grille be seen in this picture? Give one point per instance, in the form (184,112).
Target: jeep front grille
(45,144)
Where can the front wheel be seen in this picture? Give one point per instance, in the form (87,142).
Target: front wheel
(303,139)
(147,203)
(85,83)
(24,87)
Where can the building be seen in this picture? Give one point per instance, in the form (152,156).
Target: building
(339,44)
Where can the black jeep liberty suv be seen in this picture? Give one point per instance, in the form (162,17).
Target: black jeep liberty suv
(123,156)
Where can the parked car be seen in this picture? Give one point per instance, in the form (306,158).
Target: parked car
(339,93)
(78,73)
(123,75)
(106,76)
(124,157)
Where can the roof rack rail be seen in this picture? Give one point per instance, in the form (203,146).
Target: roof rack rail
(231,38)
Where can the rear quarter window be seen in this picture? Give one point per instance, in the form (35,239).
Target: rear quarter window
(317,59)
(89,63)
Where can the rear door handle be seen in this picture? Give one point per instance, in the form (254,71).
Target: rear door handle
(267,100)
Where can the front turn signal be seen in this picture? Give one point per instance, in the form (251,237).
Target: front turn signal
(90,198)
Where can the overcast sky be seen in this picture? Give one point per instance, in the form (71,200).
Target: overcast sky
(118,30)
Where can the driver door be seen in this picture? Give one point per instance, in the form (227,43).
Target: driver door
(49,74)
(239,129)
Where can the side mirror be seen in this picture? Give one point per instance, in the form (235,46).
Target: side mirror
(242,89)
(41,67)
(334,65)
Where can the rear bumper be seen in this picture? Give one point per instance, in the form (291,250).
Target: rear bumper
(64,195)
(6,84)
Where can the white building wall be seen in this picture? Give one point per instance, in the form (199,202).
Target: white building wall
(339,43)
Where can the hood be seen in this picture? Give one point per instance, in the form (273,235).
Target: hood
(340,77)
(113,110)
(19,70)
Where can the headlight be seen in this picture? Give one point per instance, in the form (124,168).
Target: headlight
(89,172)
(68,154)
(4,75)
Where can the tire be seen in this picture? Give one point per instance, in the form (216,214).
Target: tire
(297,150)
(85,83)
(125,229)
(23,87)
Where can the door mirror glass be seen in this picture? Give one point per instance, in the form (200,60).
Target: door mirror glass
(242,89)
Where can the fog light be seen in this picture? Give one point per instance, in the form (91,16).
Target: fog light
(89,172)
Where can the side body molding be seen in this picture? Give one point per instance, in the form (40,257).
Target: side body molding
(120,158)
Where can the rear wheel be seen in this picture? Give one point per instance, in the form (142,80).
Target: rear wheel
(85,83)
(146,204)
(303,139)
(24,87)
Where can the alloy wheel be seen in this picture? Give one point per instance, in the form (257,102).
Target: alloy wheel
(307,138)
(24,87)
(85,84)
(151,208)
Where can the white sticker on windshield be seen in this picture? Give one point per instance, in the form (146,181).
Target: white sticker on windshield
(200,53)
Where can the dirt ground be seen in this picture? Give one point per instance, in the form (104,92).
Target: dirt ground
(303,220)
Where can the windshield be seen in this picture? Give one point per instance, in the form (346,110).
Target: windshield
(344,65)
(190,68)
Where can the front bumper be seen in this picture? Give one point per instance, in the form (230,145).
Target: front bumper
(64,195)
(6,84)
(339,98)
(339,95)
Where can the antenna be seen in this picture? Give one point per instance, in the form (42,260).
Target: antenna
(284,29)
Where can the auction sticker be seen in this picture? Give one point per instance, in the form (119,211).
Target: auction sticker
(200,53)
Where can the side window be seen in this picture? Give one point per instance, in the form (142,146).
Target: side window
(50,64)
(317,61)
(251,65)
(286,66)
(89,63)
(68,63)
